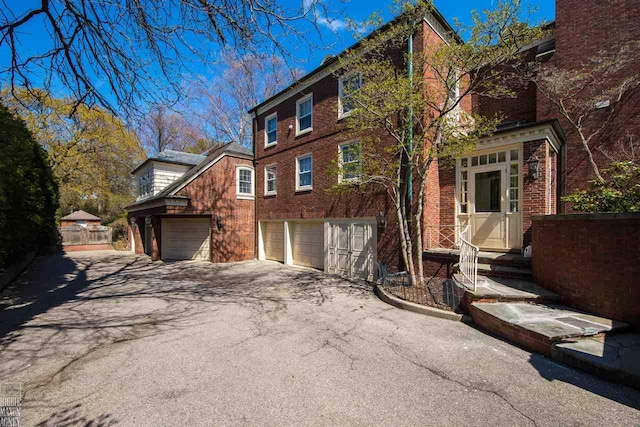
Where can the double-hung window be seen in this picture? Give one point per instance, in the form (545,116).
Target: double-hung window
(304,172)
(347,85)
(244,182)
(145,183)
(270,177)
(350,161)
(271,130)
(304,114)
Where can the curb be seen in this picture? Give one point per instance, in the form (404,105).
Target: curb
(418,308)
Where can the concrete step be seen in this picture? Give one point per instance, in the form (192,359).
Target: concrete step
(613,356)
(502,270)
(539,326)
(502,289)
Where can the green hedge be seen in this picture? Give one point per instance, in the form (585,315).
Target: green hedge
(28,192)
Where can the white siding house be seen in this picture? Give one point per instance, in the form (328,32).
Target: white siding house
(161,170)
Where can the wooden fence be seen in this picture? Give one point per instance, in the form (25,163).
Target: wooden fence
(92,235)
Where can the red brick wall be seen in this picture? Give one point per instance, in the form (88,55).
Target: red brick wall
(214,193)
(582,28)
(535,192)
(591,261)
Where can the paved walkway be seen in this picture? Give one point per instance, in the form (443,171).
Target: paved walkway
(112,339)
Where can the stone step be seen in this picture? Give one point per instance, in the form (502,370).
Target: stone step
(503,289)
(539,326)
(613,356)
(502,270)
(484,257)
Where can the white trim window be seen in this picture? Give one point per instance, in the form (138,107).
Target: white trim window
(244,182)
(145,183)
(271,130)
(304,114)
(347,85)
(350,157)
(270,180)
(304,172)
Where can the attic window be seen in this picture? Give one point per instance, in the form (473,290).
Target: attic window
(145,183)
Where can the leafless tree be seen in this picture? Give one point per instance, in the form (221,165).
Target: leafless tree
(590,97)
(242,81)
(162,129)
(123,54)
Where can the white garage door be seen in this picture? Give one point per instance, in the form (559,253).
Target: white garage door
(308,244)
(185,238)
(273,238)
(352,249)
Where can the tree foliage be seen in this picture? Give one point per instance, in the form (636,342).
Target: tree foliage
(28,192)
(408,122)
(91,152)
(618,191)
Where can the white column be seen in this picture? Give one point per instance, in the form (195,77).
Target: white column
(288,252)
(261,254)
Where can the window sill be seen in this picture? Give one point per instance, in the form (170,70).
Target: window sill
(271,194)
(304,189)
(344,115)
(272,144)
(304,132)
(245,197)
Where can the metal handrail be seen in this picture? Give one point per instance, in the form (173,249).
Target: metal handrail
(468,261)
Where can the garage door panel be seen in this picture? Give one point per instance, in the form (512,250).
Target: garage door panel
(186,239)
(273,238)
(353,249)
(308,244)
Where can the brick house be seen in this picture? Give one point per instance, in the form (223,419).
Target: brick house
(80,218)
(520,171)
(195,206)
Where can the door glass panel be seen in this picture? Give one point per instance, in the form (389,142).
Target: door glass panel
(488,191)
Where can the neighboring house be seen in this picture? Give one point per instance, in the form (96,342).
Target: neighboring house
(195,206)
(79,218)
(496,189)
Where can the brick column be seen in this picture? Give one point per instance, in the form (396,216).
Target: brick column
(535,192)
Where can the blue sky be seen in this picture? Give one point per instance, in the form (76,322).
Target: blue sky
(361,9)
(335,37)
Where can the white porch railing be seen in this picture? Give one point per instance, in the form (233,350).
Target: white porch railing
(468,262)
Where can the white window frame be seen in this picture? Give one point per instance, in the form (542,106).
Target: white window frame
(306,187)
(266,180)
(298,102)
(148,177)
(340,161)
(341,113)
(245,196)
(266,130)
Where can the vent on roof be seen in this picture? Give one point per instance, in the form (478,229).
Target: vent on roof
(327,59)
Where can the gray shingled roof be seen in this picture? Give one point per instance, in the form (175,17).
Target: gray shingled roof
(81,216)
(230,147)
(175,157)
(178,157)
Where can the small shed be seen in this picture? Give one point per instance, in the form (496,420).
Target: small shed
(81,218)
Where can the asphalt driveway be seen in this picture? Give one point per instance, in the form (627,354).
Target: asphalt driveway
(106,338)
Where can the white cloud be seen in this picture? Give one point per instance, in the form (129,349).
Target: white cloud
(332,24)
(322,20)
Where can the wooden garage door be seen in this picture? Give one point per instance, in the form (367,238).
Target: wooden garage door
(273,238)
(308,244)
(352,248)
(185,238)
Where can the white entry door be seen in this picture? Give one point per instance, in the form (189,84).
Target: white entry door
(488,188)
(352,250)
